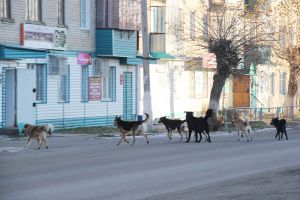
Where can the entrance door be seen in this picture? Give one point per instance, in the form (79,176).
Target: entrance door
(10,100)
(26,96)
(241,88)
(127,97)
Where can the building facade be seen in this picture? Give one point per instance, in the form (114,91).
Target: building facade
(57,67)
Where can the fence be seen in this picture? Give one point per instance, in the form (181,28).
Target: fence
(265,114)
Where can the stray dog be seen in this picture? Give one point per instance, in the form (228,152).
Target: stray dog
(241,126)
(38,132)
(280,126)
(199,125)
(172,124)
(133,126)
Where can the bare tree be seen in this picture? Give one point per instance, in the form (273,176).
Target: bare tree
(285,44)
(233,33)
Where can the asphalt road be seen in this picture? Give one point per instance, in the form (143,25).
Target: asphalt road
(89,167)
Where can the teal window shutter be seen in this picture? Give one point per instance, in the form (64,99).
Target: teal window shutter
(41,83)
(84,83)
(113,83)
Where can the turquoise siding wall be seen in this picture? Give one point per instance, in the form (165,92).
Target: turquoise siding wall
(19,53)
(116,43)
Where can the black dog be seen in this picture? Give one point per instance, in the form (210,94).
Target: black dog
(198,124)
(172,124)
(280,126)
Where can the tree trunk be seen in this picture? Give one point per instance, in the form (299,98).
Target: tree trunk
(215,94)
(292,87)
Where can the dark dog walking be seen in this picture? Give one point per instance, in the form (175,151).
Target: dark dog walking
(199,125)
(133,126)
(280,126)
(172,124)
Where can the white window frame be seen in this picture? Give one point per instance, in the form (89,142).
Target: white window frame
(85,14)
(107,84)
(6,9)
(282,83)
(63,10)
(34,14)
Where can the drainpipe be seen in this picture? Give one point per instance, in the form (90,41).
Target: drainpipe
(147,102)
(171,77)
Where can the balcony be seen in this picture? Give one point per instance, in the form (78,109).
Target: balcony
(116,43)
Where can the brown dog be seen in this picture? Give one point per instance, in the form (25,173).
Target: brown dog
(133,126)
(241,125)
(38,132)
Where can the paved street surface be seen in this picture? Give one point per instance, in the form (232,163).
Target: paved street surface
(89,167)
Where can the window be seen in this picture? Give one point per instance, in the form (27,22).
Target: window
(61,12)
(192,26)
(34,10)
(292,37)
(282,37)
(63,80)
(158,19)
(272,83)
(5,9)
(85,14)
(84,83)
(282,86)
(41,83)
(157,42)
(109,84)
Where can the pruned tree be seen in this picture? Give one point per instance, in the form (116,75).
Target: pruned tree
(233,32)
(286,17)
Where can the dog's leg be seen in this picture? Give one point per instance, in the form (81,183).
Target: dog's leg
(45,142)
(277,134)
(238,135)
(170,138)
(196,136)
(286,137)
(208,136)
(133,135)
(145,135)
(121,134)
(179,131)
(250,134)
(200,135)
(39,140)
(189,137)
(28,140)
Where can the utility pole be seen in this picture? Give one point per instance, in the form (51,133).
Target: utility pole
(147,92)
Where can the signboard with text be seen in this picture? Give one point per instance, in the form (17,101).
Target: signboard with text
(84,59)
(95,89)
(45,37)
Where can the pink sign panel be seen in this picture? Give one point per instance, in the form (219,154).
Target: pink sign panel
(84,59)
(209,60)
(95,88)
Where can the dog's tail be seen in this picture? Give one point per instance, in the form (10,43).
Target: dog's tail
(147,118)
(49,128)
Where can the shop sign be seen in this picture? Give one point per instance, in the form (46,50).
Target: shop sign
(43,37)
(121,79)
(95,89)
(209,60)
(84,59)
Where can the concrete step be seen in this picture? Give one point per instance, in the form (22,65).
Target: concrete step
(9,131)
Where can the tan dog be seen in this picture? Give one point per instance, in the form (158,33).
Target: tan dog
(242,126)
(38,132)
(133,126)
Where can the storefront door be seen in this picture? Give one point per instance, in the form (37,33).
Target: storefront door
(26,96)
